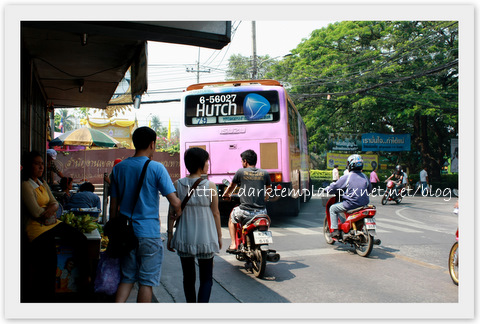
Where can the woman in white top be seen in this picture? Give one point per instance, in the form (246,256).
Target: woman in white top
(198,231)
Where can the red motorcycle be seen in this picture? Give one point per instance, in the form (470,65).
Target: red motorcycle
(453,261)
(453,255)
(390,194)
(358,230)
(251,239)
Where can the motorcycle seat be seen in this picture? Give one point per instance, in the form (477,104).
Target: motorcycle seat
(249,220)
(243,219)
(351,211)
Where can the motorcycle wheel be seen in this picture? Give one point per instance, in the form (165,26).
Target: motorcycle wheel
(259,262)
(453,263)
(326,232)
(399,200)
(385,199)
(365,248)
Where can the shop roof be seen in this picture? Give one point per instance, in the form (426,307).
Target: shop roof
(80,63)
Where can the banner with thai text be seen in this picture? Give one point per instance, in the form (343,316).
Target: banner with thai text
(92,164)
(385,142)
(370,161)
(344,142)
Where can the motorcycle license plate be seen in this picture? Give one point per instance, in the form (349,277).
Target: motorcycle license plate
(262,237)
(370,223)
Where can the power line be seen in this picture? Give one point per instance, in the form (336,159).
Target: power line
(385,84)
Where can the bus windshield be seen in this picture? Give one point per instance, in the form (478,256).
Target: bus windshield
(231,108)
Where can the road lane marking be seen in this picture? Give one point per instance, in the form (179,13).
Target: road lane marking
(291,254)
(276,233)
(295,254)
(397,212)
(418,226)
(302,231)
(388,220)
(414,261)
(398,228)
(307,223)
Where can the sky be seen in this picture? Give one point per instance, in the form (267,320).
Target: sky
(167,63)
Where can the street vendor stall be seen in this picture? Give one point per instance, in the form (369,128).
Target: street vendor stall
(86,137)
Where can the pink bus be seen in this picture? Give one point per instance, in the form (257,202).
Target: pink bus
(227,118)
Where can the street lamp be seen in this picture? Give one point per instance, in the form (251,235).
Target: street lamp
(256,65)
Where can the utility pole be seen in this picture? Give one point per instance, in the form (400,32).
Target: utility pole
(254,47)
(198,68)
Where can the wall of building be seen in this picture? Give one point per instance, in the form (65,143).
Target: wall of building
(33,111)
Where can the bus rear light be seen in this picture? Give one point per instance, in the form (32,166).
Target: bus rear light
(279,187)
(276,177)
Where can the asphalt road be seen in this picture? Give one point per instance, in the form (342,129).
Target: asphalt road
(410,266)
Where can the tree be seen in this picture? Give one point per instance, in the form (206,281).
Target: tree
(241,67)
(386,77)
(63,116)
(81,112)
(155,123)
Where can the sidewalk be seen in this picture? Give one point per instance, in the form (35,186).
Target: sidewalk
(171,283)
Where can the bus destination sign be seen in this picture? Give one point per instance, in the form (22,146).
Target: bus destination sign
(239,107)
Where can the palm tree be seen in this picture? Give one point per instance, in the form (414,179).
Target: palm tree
(155,123)
(66,118)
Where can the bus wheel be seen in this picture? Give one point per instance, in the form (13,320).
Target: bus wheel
(308,193)
(295,205)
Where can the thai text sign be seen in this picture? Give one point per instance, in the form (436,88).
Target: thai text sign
(92,164)
(370,161)
(344,142)
(385,142)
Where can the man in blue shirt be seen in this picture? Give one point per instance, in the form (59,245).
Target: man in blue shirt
(355,186)
(85,198)
(143,264)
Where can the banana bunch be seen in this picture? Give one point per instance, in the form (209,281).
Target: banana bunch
(104,243)
(84,223)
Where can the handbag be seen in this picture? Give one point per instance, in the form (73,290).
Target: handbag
(187,197)
(108,275)
(119,229)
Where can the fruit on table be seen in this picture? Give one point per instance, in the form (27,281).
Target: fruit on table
(84,223)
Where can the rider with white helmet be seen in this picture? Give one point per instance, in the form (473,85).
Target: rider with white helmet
(354,187)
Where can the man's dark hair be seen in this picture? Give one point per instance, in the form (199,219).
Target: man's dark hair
(142,137)
(195,159)
(250,156)
(87,186)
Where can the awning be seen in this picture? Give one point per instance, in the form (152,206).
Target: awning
(80,63)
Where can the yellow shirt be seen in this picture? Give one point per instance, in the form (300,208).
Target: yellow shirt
(36,196)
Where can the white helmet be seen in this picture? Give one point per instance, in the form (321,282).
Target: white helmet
(355,162)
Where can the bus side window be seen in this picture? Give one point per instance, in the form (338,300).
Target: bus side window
(293,124)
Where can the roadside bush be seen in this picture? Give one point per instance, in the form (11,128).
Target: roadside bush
(320,178)
(321,174)
(447,181)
